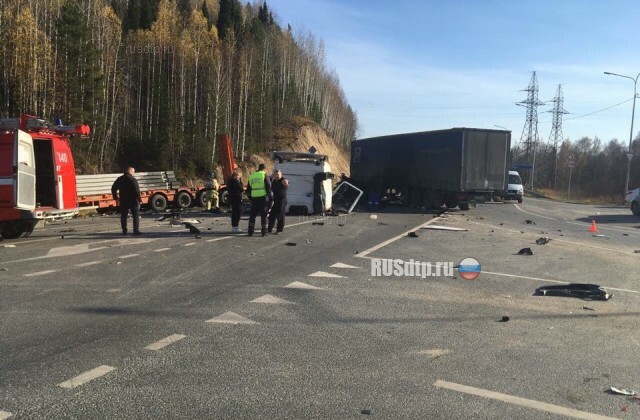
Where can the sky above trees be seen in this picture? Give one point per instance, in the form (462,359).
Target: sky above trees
(414,65)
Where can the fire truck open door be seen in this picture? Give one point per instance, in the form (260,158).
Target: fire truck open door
(24,184)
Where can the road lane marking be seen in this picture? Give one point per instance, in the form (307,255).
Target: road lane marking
(552,281)
(190,244)
(605,227)
(162,250)
(40,273)
(165,342)
(301,285)
(271,299)
(219,239)
(534,214)
(342,265)
(85,377)
(536,405)
(5,415)
(231,318)
(87,264)
(122,257)
(395,238)
(325,274)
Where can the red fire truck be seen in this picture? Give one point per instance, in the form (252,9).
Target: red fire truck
(37,173)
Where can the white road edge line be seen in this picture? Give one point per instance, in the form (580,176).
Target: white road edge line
(534,214)
(219,239)
(551,281)
(374,248)
(40,273)
(161,249)
(85,377)
(165,342)
(5,415)
(122,257)
(537,405)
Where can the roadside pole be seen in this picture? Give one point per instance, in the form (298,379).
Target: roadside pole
(571,163)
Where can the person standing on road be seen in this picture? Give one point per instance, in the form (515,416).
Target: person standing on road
(259,190)
(279,188)
(126,192)
(235,189)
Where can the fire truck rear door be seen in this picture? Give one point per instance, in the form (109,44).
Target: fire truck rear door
(24,184)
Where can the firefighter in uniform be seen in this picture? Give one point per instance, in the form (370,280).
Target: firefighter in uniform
(211,197)
(259,190)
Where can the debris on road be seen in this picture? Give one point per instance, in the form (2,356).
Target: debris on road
(365,412)
(412,235)
(382,223)
(577,290)
(373,216)
(618,391)
(198,237)
(525,251)
(192,229)
(4,269)
(318,223)
(586,308)
(637,251)
(291,244)
(503,319)
(9,246)
(309,241)
(530,222)
(599,236)
(448,228)
(543,241)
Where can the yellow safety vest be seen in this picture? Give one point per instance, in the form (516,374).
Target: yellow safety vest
(256,182)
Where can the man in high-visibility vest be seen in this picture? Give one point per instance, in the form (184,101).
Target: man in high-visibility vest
(259,190)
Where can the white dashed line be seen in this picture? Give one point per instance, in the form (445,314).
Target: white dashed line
(5,415)
(162,250)
(190,244)
(271,299)
(83,378)
(40,273)
(219,239)
(165,342)
(301,285)
(122,257)
(87,264)
(537,405)
(343,265)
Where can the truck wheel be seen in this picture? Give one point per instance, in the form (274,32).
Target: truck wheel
(201,198)
(13,230)
(463,206)
(451,203)
(158,202)
(224,197)
(183,200)
(519,200)
(635,208)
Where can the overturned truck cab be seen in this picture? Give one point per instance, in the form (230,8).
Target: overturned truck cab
(453,167)
(37,173)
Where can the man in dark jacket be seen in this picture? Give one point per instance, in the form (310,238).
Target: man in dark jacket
(126,192)
(235,188)
(279,187)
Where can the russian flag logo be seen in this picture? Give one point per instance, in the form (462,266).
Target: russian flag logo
(469,269)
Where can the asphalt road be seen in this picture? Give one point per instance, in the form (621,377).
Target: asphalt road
(96,325)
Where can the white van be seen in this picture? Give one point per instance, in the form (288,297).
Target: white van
(515,190)
(310,181)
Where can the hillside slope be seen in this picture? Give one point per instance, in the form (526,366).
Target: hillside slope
(299,135)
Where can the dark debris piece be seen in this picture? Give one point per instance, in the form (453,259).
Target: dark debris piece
(318,223)
(530,222)
(525,251)
(543,241)
(577,290)
(291,244)
(503,319)
(412,235)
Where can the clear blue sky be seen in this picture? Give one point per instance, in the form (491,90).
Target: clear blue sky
(410,65)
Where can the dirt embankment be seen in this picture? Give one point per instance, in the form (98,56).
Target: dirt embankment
(299,135)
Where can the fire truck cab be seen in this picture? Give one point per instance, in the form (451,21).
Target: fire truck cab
(37,173)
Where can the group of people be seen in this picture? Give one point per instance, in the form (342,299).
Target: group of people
(268,199)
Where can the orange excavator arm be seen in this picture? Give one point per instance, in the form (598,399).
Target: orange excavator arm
(226,155)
